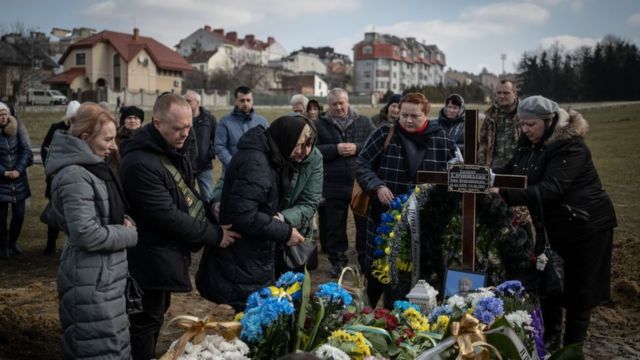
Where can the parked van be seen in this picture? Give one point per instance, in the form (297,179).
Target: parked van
(43,97)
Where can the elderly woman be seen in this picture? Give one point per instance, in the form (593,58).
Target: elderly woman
(15,157)
(88,205)
(576,211)
(416,144)
(451,119)
(256,183)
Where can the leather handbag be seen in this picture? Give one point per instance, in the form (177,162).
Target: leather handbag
(133,296)
(302,254)
(360,198)
(549,262)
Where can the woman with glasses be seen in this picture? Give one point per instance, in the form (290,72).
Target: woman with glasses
(416,144)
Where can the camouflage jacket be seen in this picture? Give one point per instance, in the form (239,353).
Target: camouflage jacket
(488,131)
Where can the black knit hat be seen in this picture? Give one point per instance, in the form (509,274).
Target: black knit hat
(131,111)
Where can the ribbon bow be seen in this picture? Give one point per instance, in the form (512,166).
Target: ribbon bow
(281,292)
(196,329)
(469,333)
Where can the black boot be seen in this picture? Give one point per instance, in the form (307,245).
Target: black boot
(14,248)
(52,235)
(552,318)
(576,326)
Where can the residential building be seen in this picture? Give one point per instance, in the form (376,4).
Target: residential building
(67,37)
(24,63)
(301,62)
(386,62)
(247,50)
(115,61)
(339,66)
(306,84)
(211,61)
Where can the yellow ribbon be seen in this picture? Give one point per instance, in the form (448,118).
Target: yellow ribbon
(281,292)
(469,333)
(196,329)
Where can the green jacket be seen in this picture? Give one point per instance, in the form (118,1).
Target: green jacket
(305,193)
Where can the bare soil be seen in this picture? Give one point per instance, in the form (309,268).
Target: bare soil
(29,313)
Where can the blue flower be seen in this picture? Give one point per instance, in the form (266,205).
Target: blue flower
(257,298)
(386,217)
(404,198)
(333,292)
(438,311)
(378,240)
(261,317)
(378,253)
(488,309)
(289,278)
(511,287)
(401,306)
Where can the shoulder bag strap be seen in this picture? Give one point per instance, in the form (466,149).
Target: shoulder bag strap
(541,213)
(196,207)
(387,140)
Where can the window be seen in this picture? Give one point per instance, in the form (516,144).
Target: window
(81,58)
(367,50)
(367,85)
(116,72)
(367,74)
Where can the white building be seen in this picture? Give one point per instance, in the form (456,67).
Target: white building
(247,50)
(302,63)
(385,62)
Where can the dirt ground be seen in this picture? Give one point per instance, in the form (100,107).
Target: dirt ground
(29,314)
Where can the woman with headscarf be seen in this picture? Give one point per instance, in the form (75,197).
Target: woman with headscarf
(257,181)
(576,212)
(88,205)
(451,119)
(389,113)
(15,157)
(131,119)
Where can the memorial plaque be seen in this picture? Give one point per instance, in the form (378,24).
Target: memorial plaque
(469,178)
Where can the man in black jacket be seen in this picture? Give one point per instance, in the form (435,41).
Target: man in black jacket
(204,128)
(161,204)
(341,134)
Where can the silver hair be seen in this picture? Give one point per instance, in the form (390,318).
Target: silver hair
(337,92)
(299,99)
(194,94)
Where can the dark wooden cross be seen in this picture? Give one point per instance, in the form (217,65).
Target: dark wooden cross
(470,172)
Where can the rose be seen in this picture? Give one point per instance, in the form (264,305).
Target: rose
(380,312)
(391,322)
(346,317)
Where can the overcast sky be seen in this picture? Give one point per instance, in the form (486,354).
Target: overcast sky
(473,34)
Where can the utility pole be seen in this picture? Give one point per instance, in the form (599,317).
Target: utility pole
(503,57)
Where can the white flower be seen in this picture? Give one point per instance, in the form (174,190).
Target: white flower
(457,301)
(329,352)
(519,318)
(474,297)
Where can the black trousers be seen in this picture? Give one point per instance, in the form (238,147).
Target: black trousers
(336,211)
(576,324)
(9,235)
(145,327)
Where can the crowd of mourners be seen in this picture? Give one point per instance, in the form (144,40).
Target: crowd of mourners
(135,201)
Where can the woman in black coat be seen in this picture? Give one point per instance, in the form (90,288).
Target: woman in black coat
(256,183)
(15,157)
(577,212)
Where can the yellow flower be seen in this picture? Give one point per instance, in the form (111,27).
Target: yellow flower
(398,217)
(417,189)
(441,325)
(417,321)
(387,250)
(239,316)
(361,347)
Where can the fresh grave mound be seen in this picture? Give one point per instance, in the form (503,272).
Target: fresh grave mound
(29,326)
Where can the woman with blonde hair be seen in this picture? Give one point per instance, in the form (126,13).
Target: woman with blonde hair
(88,205)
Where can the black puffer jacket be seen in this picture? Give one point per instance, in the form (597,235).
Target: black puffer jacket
(339,171)
(249,202)
(166,231)
(561,169)
(15,154)
(204,128)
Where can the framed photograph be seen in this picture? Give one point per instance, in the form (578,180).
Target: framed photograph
(460,282)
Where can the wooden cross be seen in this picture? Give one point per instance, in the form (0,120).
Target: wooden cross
(469,195)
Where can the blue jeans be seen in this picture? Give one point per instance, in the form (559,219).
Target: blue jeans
(205,183)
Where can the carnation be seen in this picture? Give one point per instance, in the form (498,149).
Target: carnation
(473,298)
(520,318)
(457,301)
(331,353)
(487,309)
